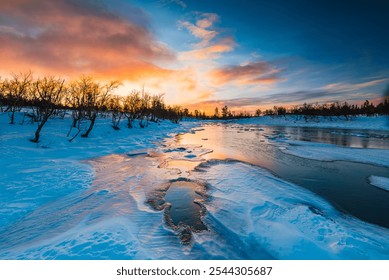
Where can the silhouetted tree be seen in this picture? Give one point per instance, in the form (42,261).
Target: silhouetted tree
(96,99)
(15,93)
(225,112)
(47,93)
(131,107)
(115,106)
(216,114)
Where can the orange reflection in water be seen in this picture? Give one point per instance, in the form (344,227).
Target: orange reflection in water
(228,142)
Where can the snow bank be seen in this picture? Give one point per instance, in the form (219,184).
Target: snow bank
(329,152)
(261,215)
(379,182)
(360,122)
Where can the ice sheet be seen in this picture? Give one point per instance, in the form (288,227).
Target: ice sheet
(379,182)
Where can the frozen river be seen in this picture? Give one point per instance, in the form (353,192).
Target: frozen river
(219,191)
(345,184)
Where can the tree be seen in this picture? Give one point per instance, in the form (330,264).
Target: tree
(225,112)
(115,105)
(15,93)
(47,93)
(258,112)
(157,107)
(131,107)
(216,115)
(96,99)
(144,109)
(75,99)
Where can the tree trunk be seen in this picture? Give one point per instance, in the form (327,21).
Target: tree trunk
(12,117)
(92,123)
(37,132)
(74,123)
(129,122)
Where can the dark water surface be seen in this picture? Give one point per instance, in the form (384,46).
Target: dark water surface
(182,196)
(344,184)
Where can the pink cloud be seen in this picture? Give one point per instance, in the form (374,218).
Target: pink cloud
(201,29)
(72,37)
(260,72)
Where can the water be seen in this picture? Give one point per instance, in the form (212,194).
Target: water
(344,184)
(341,137)
(185,209)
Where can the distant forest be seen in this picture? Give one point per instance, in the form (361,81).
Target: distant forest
(85,99)
(308,111)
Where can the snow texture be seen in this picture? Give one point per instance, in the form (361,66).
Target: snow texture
(329,152)
(86,200)
(379,182)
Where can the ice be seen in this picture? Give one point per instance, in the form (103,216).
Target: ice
(379,182)
(329,152)
(271,217)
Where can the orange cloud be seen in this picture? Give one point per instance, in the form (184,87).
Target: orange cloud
(210,52)
(259,72)
(200,31)
(70,38)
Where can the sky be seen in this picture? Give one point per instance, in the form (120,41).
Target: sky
(202,54)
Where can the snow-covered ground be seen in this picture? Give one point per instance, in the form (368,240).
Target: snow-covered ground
(283,220)
(87,200)
(34,174)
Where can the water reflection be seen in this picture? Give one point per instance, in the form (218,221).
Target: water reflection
(185,209)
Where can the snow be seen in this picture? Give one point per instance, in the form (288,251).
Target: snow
(360,122)
(266,215)
(379,182)
(323,151)
(86,200)
(34,174)
(329,152)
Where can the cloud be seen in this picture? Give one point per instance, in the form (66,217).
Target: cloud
(67,37)
(200,29)
(282,99)
(346,87)
(259,72)
(211,52)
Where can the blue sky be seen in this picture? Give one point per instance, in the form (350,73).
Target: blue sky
(208,53)
(324,50)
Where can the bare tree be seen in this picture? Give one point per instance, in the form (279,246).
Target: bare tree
(96,99)
(15,93)
(115,105)
(47,93)
(157,107)
(131,107)
(144,109)
(75,99)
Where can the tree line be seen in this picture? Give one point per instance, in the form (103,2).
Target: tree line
(335,109)
(306,111)
(84,98)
